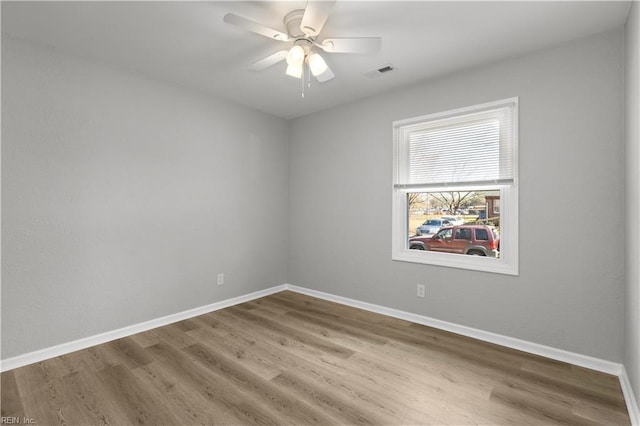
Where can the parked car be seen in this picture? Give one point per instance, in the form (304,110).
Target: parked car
(454,220)
(479,240)
(431,226)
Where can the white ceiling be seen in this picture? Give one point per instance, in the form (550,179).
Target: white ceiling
(188,43)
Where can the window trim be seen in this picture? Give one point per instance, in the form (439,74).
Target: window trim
(509,200)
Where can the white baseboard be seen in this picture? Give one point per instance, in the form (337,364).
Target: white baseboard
(630,398)
(510,342)
(523,345)
(65,348)
(597,364)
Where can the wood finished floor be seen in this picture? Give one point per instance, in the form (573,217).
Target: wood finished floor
(293,359)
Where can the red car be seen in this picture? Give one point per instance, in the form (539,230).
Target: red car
(478,240)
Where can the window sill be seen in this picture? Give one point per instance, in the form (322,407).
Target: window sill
(475,263)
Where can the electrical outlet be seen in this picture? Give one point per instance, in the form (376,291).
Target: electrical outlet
(420,290)
(220,279)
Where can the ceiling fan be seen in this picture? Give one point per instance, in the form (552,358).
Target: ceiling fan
(303,27)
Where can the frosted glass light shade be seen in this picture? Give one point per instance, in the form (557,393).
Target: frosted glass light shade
(295,56)
(294,70)
(317,65)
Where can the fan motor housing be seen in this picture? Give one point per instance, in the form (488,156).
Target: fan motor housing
(292,21)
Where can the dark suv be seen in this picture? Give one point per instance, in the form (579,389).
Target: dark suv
(479,240)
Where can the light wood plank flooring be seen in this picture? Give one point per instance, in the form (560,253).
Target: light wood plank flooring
(293,359)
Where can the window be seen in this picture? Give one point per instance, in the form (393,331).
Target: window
(482,234)
(458,168)
(464,234)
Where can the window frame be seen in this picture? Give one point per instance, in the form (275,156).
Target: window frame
(509,200)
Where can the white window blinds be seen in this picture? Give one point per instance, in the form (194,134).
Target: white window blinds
(463,148)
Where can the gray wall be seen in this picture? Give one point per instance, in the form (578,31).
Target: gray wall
(632,246)
(569,291)
(123,197)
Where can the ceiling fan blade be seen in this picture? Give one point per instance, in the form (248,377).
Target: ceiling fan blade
(351,45)
(270,60)
(315,15)
(325,76)
(249,25)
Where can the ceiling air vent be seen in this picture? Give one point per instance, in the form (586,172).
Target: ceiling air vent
(384,69)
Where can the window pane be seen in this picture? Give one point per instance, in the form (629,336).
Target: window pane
(466,153)
(482,234)
(462,222)
(472,148)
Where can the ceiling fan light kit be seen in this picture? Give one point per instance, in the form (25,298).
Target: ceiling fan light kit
(294,70)
(317,65)
(303,28)
(296,55)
